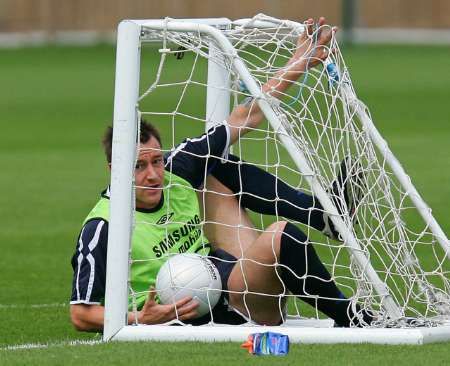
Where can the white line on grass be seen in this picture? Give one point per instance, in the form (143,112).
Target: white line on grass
(35,306)
(26,346)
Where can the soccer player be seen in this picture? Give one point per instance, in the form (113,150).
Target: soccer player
(300,270)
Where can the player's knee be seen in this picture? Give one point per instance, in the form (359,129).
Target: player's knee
(277,227)
(276,230)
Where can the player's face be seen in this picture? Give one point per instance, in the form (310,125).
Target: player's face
(149,174)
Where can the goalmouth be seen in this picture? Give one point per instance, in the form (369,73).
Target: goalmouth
(394,262)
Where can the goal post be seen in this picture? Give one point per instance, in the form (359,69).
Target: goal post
(313,147)
(122,176)
(218,91)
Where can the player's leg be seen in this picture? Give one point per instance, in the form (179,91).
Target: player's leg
(264,193)
(229,228)
(298,270)
(227,224)
(256,273)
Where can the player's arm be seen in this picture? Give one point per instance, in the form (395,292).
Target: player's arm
(88,286)
(89,318)
(89,276)
(310,52)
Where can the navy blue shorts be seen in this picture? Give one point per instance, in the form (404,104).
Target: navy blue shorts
(224,262)
(221,313)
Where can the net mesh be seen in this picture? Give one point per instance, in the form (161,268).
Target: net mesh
(319,115)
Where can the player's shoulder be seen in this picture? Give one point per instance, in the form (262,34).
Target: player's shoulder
(96,223)
(101,209)
(94,231)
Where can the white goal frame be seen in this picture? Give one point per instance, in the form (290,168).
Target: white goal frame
(129,40)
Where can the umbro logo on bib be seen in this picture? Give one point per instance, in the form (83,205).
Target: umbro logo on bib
(164,218)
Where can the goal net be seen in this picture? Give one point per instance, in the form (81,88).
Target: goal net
(186,76)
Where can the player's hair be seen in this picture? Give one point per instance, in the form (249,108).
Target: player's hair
(147,130)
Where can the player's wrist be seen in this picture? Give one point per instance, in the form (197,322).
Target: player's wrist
(134,317)
(299,62)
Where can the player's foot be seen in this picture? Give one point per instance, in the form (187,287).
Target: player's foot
(406,322)
(362,318)
(346,192)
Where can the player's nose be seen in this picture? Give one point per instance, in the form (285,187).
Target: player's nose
(151,173)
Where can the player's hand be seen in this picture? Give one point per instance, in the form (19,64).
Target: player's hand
(154,313)
(312,47)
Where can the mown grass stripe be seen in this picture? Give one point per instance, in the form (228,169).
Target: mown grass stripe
(76,342)
(33,306)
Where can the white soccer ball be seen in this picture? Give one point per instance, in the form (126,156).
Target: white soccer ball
(189,275)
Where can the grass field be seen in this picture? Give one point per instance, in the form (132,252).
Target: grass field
(55,103)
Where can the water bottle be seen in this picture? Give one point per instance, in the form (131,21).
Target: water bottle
(268,343)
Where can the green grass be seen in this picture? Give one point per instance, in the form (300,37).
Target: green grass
(55,103)
(224,354)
